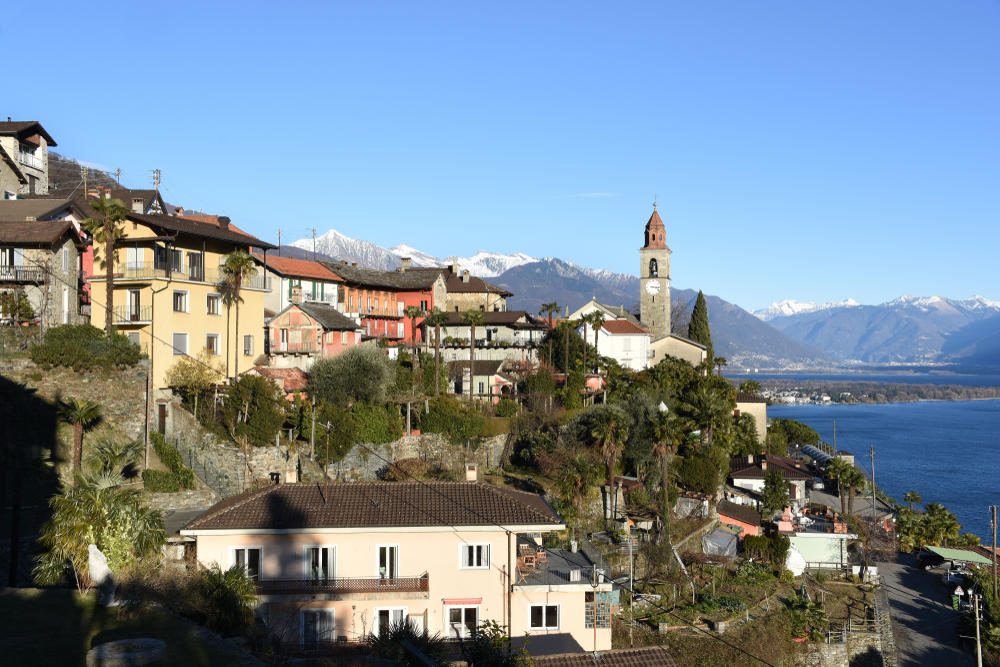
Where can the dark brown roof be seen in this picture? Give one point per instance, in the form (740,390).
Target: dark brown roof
(329,317)
(744,397)
(791,469)
(23,128)
(396,280)
(377,504)
(125,195)
(456,285)
(37,232)
(510,318)
(643,656)
(482,367)
(175,224)
(739,512)
(39,209)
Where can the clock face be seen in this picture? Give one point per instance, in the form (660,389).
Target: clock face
(653,287)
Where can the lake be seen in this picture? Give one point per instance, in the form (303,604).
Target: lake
(908,378)
(947,451)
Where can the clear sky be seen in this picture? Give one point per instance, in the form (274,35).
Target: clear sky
(806,150)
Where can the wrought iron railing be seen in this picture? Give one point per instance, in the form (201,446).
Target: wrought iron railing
(21,274)
(255,282)
(125,314)
(419,584)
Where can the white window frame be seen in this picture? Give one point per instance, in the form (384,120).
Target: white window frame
(469,549)
(173,301)
(214,350)
(343,338)
(378,549)
(260,560)
(464,633)
(330,611)
(65,260)
(134,258)
(245,348)
(543,605)
(306,573)
(376,610)
(218,304)
(135,338)
(173,344)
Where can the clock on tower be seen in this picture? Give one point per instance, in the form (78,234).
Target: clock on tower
(654,277)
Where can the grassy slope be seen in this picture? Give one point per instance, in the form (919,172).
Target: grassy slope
(58,627)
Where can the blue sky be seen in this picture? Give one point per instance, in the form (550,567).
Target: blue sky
(815,151)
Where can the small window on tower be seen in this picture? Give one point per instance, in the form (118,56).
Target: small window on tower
(653,268)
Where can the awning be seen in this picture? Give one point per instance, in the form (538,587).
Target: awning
(960,554)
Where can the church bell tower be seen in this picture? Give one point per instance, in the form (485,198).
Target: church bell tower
(654,278)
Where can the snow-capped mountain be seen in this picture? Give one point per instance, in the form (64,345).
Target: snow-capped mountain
(793,307)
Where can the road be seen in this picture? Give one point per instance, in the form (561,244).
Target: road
(924,627)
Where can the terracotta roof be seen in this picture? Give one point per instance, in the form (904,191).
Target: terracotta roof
(39,209)
(329,317)
(297,268)
(22,128)
(289,379)
(36,232)
(377,504)
(739,512)
(172,223)
(644,656)
(791,469)
(656,233)
(617,327)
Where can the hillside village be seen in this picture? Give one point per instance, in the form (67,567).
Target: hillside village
(340,464)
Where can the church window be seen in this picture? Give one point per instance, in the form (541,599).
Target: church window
(653,268)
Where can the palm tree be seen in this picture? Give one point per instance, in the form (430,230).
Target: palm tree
(232,597)
(835,470)
(83,415)
(912,497)
(237,266)
(667,432)
(107,229)
(413,313)
(853,480)
(436,318)
(707,407)
(596,322)
(115,456)
(579,471)
(549,309)
(474,318)
(610,433)
(401,644)
(720,362)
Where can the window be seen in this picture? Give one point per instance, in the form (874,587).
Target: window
(400,308)
(196,266)
(133,338)
(462,621)
(319,563)
(400,331)
(159,258)
(369,305)
(482,389)
(350,303)
(423,305)
(212,344)
(601,614)
(248,345)
(65,258)
(388,617)
(177,261)
(544,617)
(134,305)
(387,565)
(180,302)
(212,304)
(248,558)
(317,625)
(474,556)
(180,343)
(653,267)
(133,258)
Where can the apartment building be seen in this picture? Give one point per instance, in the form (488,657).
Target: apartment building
(24,158)
(40,260)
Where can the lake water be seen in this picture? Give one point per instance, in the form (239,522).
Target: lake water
(947,451)
(908,378)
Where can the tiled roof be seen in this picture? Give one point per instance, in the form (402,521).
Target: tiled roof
(644,656)
(456,285)
(377,505)
(329,317)
(20,128)
(19,209)
(482,367)
(744,397)
(172,223)
(511,318)
(396,280)
(739,512)
(297,268)
(36,232)
(617,327)
(289,379)
(619,311)
(740,468)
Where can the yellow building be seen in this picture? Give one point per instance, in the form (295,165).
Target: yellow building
(170,297)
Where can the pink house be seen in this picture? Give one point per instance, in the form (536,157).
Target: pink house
(335,563)
(304,332)
(742,517)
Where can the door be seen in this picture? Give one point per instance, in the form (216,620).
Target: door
(389,618)
(319,563)
(134,311)
(388,561)
(462,621)
(249,560)
(161,418)
(317,625)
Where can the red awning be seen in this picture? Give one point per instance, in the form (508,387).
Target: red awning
(463,600)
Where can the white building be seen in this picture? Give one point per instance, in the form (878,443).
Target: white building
(623,340)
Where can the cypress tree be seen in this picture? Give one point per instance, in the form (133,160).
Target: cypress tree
(698,330)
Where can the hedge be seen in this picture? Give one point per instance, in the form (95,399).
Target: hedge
(160,481)
(84,347)
(179,476)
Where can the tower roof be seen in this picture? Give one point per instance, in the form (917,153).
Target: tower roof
(656,233)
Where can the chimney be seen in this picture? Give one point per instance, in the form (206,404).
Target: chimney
(736,413)
(405,263)
(224,221)
(750,459)
(465,276)
(291,475)
(471,472)
(343,262)
(763,464)
(138,205)
(454,266)
(179,210)
(296,294)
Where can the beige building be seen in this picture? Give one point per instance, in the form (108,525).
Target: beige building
(673,345)
(41,260)
(338,562)
(753,405)
(24,158)
(170,297)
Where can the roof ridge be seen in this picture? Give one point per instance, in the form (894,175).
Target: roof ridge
(506,489)
(250,495)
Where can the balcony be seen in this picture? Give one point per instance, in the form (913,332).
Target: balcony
(139,274)
(342,585)
(21,274)
(30,160)
(125,315)
(308,347)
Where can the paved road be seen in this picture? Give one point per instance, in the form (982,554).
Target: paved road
(924,627)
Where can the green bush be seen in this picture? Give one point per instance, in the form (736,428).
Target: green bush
(182,478)
(450,417)
(377,424)
(505,407)
(83,347)
(495,426)
(254,409)
(160,481)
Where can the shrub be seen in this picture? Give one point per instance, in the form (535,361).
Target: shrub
(495,426)
(84,347)
(698,473)
(450,417)
(505,407)
(405,470)
(180,477)
(377,424)
(160,481)
(254,409)
(359,374)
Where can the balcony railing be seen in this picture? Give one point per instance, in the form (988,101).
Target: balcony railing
(22,274)
(419,584)
(309,347)
(211,278)
(29,160)
(127,314)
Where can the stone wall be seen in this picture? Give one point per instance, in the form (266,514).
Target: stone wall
(364,461)
(859,648)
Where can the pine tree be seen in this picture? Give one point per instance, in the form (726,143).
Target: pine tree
(698,330)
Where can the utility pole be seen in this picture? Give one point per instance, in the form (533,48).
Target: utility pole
(314,243)
(871,452)
(979,646)
(156,180)
(279,243)
(994,524)
(118,175)
(83,175)
(312,435)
